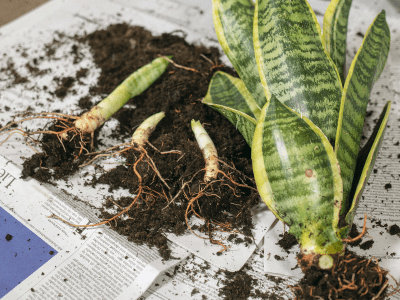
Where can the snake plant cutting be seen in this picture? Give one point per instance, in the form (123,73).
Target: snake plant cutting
(300,114)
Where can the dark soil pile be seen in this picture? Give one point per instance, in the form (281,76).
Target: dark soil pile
(169,173)
(159,209)
(162,206)
(352,277)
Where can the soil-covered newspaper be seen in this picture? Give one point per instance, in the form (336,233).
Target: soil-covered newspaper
(50,259)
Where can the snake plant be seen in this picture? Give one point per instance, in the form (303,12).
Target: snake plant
(300,114)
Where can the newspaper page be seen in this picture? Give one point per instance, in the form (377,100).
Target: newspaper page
(82,251)
(53,259)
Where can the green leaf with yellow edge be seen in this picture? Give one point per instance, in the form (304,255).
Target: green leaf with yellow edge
(233,22)
(298,177)
(365,164)
(293,63)
(335,33)
(364,71)
(229,96)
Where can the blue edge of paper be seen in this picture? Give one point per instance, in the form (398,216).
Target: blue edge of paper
(22,252)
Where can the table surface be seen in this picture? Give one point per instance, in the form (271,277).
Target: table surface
(12,9)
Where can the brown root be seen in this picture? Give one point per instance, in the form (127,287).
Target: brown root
(179,66)
(106,153)
(120,213)
(61,118)
(364,230)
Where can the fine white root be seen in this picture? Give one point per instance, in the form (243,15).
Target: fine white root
(209,151)
(142,133)
(132,86)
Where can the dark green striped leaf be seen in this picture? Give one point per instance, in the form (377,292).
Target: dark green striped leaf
(365,164)
(229,96)
(335,32)
(364,71)
(233,21)
(293,63)
(298,176)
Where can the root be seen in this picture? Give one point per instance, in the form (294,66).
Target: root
(21,132)
(215,241)
(103,153)
(235,170)
(382,289)
(53,116)
(223,227)
(120,213)
(61,135)
(343,283)
(235,183)
(214,64)
(153,166)
(181,190)
(361,234)
(394,292)
(179,66)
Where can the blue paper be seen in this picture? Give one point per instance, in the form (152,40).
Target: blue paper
(22,252)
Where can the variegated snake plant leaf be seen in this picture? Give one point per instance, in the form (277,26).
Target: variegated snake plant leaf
(305,128)
(335,33)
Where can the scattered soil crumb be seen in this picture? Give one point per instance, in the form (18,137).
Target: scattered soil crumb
(394,229)
(194,292)
(366,245)
(238,285)
(18,79)
(64,84)
(287,241)
(241,286)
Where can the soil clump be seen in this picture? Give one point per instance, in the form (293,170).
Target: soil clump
(168,173)
(60,157)
(287,241)
(176,155)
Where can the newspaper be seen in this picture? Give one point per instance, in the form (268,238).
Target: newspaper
(85,264)
(97,262)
